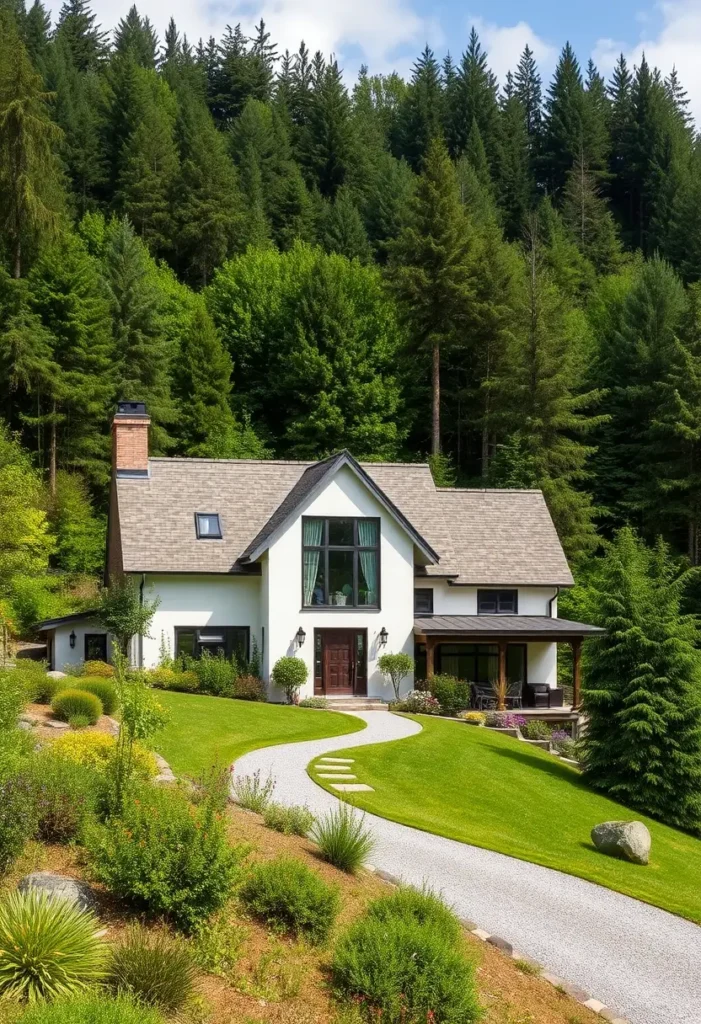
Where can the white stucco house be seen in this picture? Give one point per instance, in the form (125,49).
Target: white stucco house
(334,562)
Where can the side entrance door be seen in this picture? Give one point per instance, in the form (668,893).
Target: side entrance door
(342,662)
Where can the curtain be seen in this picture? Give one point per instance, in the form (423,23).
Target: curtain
(367,537)
(312,532)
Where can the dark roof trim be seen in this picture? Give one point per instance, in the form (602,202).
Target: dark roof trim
(510,584)
(41,627)
(253,571)
(278,523)
(540,627)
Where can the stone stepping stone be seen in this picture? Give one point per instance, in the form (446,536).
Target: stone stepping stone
(331,768)
(339,778)
(353,787)
(338,760)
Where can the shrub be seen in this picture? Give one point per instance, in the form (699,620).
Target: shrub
(49,948)
(249,688)
(166,678)
(79,721)
(420,906)
(164,853)
(564,744)
(343,839)
(291,821)
(250,792)
(217,945)
(289,675)
(76,702)
(185,682)
(417,702)
(31,674)
(17,817)
(92,1009)
(474,717)
(103,689)
(452,694)
(98,669)
(404,971)
(216,674)
(96,750)
(16,746)
(395,667)
(43,690)
(154,968)
(504,720)
(13,698)
(289,896)
(314,702)
(65,795)
(536,730)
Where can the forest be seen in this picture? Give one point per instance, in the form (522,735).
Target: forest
(501,278)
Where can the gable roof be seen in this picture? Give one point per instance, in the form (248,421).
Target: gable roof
(476,536)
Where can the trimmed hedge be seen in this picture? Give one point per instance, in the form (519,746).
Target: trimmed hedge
(68,703)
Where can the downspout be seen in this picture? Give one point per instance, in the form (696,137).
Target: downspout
(552,601)
(141,603)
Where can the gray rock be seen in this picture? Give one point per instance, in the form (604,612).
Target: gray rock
(629,840)
(55,724)
(55,674)
(61,887)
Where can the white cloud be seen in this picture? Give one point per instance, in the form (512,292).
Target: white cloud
(505,44)
(374,28)
(675,45)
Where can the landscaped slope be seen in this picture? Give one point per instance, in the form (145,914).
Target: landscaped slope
(202,731)
(487,789)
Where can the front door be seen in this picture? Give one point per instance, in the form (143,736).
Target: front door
(340,662)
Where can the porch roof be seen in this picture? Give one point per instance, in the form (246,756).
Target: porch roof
(523,627)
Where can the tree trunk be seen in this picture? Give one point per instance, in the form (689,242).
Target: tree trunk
(436,410)
(18,260)
(485,452)
(52,455)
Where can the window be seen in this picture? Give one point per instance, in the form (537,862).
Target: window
(476,663)
(497,602)
(423,601)
(96,647)
(340,563)
(208,526)
(231,641)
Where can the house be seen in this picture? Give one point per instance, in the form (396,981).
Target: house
(334,562)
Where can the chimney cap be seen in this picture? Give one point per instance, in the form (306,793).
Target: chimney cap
(131,410)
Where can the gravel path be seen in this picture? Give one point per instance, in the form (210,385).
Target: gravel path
(642,962)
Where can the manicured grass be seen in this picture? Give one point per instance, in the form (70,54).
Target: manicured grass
(202,731)
(487,789)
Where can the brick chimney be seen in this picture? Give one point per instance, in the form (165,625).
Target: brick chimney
(130,439)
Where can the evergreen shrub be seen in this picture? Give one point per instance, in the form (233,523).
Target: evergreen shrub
(76,702)
(289,675)
(169,679)
(452,694)
(43,689)
(421,906)
(216,674)
(166,855)
(102,689)
(289,896)
(154,968)
(98,669)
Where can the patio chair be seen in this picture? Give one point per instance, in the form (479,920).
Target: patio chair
(483,696)
(514,695)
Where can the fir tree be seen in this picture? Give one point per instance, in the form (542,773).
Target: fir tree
(475,100)
(37,30)
(643,740)
(528,89)
(84,39)
(136,36)
(563,129)
(343,230)
(329,147)
(586,214)
(421,113)
(516,179)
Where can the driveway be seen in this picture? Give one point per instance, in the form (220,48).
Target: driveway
(644,963)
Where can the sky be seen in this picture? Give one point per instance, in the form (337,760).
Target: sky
(388,34)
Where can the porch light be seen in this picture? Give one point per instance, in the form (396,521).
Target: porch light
(383,637)
(300,637)
(71,638)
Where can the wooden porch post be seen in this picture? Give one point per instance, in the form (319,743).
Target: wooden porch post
(430,648)
(576,671)
(501,683)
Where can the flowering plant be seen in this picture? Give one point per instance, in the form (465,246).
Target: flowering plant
(417,702)
(505,720)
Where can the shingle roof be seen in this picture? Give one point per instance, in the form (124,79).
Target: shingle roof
(501,625)
(483,537)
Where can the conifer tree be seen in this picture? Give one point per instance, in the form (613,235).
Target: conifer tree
(476,155)
(431,271)
(563,128)
(620,125)
(528,90)
(78,530)
(475,100)
(586,214)
(387,202)
(643,740)
(136,36)
(36,33)
(421,113)
(85,40)
(516,178)
(342,228)
(329,145)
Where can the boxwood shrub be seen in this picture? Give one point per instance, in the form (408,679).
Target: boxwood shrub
(68,703)
(289,896)
(101,688)
(99,669)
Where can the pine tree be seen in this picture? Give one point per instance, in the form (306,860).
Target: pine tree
(342,228)
(136,36)
(421,113)
(475,100)
(31,198)
(563,128)
(516,178)
(619,90)
(76,27)
(387,203)
(528,89)
(78,530)
(586,214)
(141,357)
(431,270)
(37,30)
(643,740)
(329,147)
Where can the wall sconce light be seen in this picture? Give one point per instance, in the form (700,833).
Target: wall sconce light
(383,637)
(300,637)
(71,638)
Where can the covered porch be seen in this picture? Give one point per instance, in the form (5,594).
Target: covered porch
(493,653)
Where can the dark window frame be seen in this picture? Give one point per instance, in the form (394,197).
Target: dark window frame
(324,548)
(88,638)
(208,536)
(496,595)
(227,632)
(423,591)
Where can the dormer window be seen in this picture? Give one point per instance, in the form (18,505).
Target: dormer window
(208,526)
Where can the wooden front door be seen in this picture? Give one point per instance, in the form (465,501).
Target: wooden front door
(340,663)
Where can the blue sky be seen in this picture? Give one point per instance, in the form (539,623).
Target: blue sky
(387,34)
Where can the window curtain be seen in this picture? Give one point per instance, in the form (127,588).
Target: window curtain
(312,532)
(367,537)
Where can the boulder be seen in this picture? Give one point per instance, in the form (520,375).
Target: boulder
(629,840)
(61,887)
(55,674)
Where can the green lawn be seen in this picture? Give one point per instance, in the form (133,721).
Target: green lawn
(202,731)
(490,790)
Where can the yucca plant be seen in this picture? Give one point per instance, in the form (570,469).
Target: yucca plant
(48,947)
(343,839)
(154,968)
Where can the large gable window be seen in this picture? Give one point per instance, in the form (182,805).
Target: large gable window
(340,562)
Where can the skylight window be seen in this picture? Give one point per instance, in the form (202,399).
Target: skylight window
(208,526)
